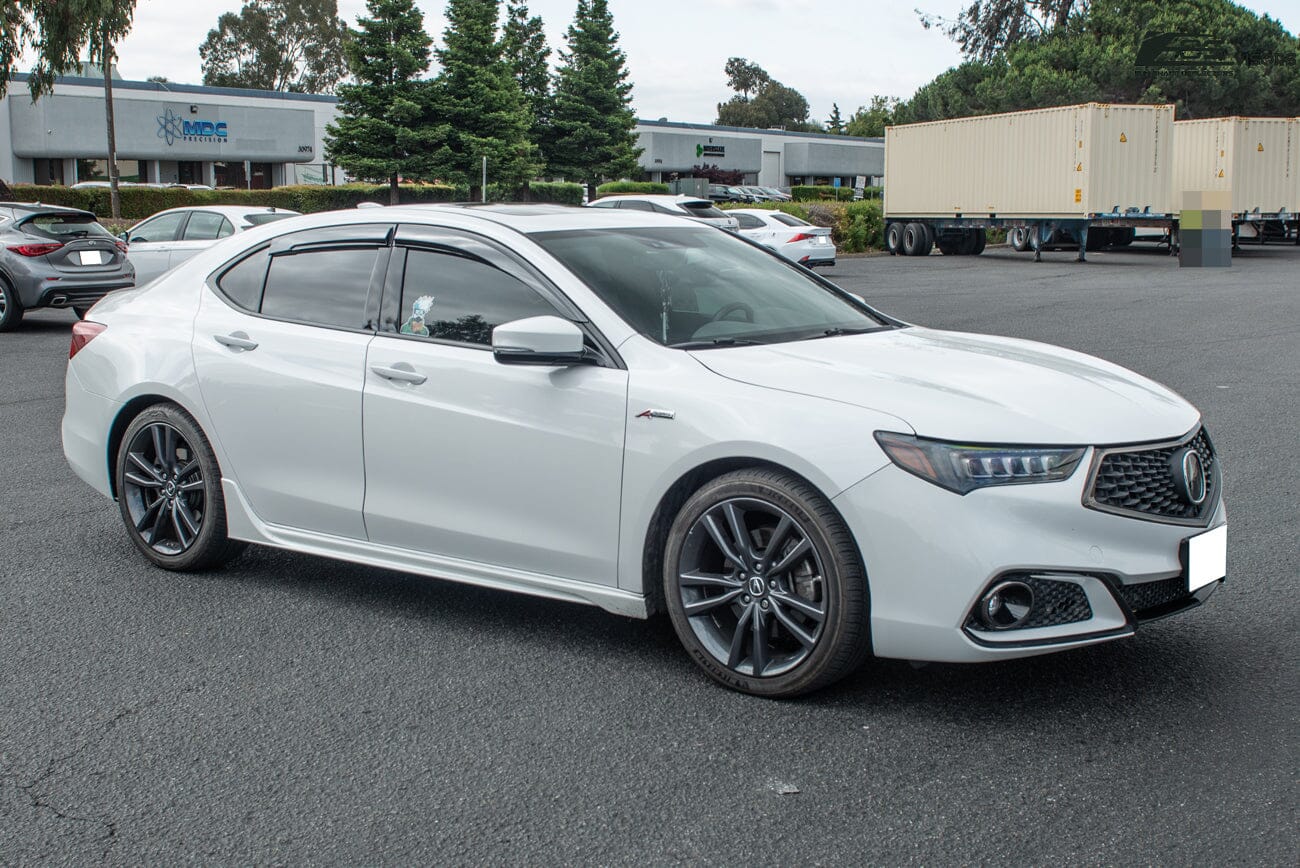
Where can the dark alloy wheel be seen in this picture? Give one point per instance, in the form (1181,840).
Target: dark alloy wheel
(11,308)
(764,585)
(169,491)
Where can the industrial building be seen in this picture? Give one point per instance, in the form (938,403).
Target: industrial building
(166,133)
(771,158)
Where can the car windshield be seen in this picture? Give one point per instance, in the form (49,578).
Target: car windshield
(64,226)
(264,217)
(697,287)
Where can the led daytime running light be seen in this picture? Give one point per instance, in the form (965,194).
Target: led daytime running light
(963,468)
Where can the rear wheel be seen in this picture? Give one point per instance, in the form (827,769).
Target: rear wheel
(169,492)
(894,238)
(1018,237)
(917,239)
(764,585)
(11,307)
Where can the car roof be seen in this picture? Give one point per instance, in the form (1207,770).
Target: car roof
(224,210)
(656,197)
(521,217)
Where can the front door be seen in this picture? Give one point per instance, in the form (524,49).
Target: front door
(280,351)
(150,244)
(517,467)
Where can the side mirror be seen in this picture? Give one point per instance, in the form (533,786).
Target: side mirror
(859,298)
(538,340)
(125,236)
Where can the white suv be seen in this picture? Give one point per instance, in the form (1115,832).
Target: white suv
(679,206)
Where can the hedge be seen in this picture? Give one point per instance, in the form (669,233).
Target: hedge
(856,227)
(642,187)
(810,193)
(141,202)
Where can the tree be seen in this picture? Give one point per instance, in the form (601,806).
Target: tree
(523,44)
(743,76)
(591,135)
(477,106)
(1095,55)
(284,45)
(159,79)
(871,120)
(379,134)
(988,27)
(835,123)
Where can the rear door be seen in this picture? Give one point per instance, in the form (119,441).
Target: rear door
(151,244)
(279,349)
(202,230)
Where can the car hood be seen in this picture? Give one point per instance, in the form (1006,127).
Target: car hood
(973,388)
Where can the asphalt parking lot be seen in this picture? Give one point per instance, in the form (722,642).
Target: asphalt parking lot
(296,710)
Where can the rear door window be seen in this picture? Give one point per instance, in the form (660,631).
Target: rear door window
(325,286)
(749,221)
(207,226)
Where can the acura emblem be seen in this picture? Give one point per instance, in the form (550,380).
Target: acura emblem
(1189,475)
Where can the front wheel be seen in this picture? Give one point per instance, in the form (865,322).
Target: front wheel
(765,586)
(169,492)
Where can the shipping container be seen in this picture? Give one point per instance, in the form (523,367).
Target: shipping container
(1069,162)
(1257,160)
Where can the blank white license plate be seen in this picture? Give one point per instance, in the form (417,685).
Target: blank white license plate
(822,239)
(1207,558)
(90,257)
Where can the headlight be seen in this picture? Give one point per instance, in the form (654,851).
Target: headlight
(964,468)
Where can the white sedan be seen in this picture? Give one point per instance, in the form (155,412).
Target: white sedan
(637,412)
(788,235)
(168,238)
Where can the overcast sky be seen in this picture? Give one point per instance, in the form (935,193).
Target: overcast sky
(830,50)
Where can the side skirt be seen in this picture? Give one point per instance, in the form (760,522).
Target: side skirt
(242,524)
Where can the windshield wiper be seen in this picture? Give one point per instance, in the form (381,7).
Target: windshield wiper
(839,332)
(716,342)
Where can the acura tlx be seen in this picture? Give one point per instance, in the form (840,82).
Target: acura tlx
(630,410)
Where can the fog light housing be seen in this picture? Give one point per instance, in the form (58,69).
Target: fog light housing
(1006,606)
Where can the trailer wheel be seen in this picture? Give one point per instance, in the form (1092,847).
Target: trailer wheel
(979,238)
(1018,236)
(917,240)
(894,238)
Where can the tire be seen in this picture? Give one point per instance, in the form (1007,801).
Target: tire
(1018,238)
(979,239)
(158,496)
(894,238)
(11,307)
(950,246)
(917,240)
(81,312)
(813,606)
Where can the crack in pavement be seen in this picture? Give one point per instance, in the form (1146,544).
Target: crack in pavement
(38,798)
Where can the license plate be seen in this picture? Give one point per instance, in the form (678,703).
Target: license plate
(822,239)
(1207,558)
(90,257)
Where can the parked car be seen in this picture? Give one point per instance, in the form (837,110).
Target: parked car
(56,257)
(723,193)
(168,238)
(788,235)
(620,408)
(777,195)
(701,210)
(756,194)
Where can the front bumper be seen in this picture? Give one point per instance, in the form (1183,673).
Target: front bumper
(931,554)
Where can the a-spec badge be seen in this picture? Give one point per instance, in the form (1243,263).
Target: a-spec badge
(656,414)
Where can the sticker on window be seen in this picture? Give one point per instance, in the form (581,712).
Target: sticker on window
(414,324)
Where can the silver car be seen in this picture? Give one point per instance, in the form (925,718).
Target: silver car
(700,210)
(168,238)
(56,257)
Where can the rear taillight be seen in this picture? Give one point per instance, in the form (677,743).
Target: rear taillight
(83,332)
(35,249)
(802,236)
(121,245)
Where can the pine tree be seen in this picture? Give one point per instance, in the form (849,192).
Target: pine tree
(477,104)
(380,133)
(591,135)
(524,46)
(835,123)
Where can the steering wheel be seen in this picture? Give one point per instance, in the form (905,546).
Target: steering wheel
(727,310)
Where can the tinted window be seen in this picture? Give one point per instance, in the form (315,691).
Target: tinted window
(65,226)
(788,220)
(267,217)
(636,205)
(242,283)
(324,287)
(749,221)
(206,226)
(702,209)
(454,298)
(605,203)
(162,228)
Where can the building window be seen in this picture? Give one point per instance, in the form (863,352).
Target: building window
(230,174)
(47,172)
(259,176)
(189,172)
(131,171)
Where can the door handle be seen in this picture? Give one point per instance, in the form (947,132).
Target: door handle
(402,374)
(236,341)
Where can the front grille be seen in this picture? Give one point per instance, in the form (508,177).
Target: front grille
(1141,481)
(1143,598)
(1055,602)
